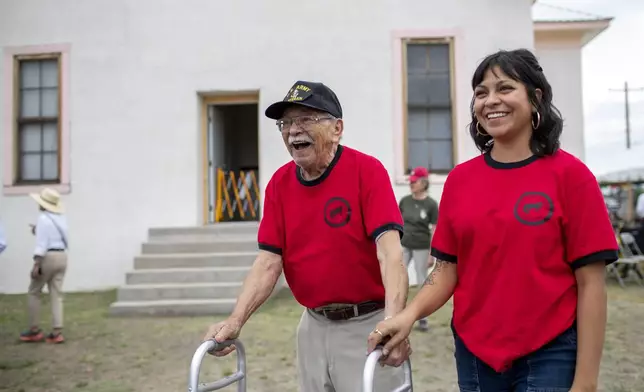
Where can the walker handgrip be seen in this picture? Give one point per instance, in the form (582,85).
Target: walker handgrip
(197,358)
(370,369)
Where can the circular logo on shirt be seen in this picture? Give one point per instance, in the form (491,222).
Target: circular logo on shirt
(337,212)
(534,208)
(423,214)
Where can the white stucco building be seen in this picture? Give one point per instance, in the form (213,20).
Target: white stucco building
(109,101)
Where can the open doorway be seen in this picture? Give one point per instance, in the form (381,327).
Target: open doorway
(232,160)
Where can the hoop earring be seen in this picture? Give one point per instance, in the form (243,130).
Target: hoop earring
(478,130)
(538,121)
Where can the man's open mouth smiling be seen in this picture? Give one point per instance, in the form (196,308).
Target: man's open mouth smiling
(301,144)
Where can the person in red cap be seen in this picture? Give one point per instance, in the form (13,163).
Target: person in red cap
(420,213)
(332,224)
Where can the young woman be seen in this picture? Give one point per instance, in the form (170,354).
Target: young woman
(522,240)
(419,212)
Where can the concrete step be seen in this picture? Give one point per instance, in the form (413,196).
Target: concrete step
(160,292)
(200,238)
(232,244)
(187,275)
(215,230)
(178,307)
(195,260)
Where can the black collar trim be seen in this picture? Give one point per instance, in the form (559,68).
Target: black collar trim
(324,175)
(508,165)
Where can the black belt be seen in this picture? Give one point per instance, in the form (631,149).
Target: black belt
(346,312)
(55,250)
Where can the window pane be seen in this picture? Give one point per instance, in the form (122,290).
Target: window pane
(29,74)
(30,137)
(440,124)
(418,154)
(429,123)
(30,167)
(440,155)
(439,57)
(416,57)
(30,103)
(49,102)
(49,73)
(50,166)
(428,89)
(50,137)
(417,124)
(418,89)
(438,89)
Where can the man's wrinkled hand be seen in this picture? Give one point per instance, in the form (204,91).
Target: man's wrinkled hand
(226,330)
(398,355)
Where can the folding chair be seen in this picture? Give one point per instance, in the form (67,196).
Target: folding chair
(629,260)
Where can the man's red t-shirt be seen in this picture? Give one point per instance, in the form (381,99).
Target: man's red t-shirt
(325,229)
(517,232)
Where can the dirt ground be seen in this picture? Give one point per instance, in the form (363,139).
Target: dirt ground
(104,354)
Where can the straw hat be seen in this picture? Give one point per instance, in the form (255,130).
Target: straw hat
(48,199)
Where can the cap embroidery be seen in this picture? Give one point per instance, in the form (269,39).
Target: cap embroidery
(297,93)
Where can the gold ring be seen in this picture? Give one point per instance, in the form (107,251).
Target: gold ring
(379,333)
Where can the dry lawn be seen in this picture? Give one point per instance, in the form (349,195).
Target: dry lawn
(105,354)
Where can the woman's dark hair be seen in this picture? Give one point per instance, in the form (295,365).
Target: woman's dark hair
(522,66)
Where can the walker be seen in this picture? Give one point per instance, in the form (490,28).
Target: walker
(240,376)
(370,369)
(209,346)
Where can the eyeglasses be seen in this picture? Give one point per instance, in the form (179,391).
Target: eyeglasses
(303,122)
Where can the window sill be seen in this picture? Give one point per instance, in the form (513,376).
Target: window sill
(434,179)
(20,190)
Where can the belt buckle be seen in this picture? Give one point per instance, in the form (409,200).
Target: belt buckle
(326,311)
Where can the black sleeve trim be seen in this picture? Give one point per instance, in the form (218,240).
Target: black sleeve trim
(387,227)
(270,248)
(443,256)
(608,256)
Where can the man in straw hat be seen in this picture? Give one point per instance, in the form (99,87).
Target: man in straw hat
(50,264)
(332,224)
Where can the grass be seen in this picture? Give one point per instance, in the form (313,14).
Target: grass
(104,354)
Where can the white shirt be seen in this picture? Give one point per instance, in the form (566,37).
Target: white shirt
(639,209)
(48,236)
(3,240)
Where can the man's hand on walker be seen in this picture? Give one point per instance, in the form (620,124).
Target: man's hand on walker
(394,332)
(222,331)
(398,354)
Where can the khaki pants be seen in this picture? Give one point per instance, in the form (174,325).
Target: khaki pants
(331,355)
(421,259)
(53,268)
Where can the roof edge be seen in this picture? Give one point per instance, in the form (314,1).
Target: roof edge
(588,28)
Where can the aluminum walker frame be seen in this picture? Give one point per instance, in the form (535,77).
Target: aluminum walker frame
(210,346)
(239,376)
(370,369)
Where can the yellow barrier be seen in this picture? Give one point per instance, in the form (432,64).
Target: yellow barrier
(237,196)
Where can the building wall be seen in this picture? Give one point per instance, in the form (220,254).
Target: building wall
(560,58)
(132,77)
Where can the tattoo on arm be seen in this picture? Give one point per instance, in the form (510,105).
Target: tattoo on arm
(438,266)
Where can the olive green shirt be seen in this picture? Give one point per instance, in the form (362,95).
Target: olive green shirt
(417,216)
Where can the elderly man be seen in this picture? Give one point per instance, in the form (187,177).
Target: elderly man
(332,224)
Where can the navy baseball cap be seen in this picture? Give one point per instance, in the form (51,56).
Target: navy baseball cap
(309,94)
